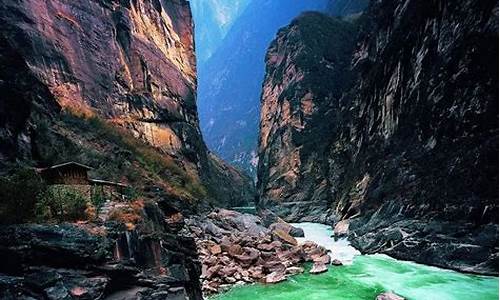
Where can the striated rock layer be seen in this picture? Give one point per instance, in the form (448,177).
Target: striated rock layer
(130,63)
(390,127)
(231,79)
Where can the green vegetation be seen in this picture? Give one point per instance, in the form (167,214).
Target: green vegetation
(97,200)
(24,198)
(62,203)
(132,152)
(19,192)
(115,155)
(129,215)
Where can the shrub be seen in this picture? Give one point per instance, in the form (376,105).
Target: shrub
(19,192)
(129,214)
(24,197)
(62,203)
(97,200)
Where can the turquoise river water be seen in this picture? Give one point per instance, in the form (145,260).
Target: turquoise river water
(366,276)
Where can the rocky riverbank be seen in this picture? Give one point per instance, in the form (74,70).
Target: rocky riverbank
(238,248)
(153,258)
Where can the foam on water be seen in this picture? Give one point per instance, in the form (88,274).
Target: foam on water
(321,235)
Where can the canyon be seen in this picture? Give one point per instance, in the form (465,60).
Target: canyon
(213,20)
(378,124)
(230,81)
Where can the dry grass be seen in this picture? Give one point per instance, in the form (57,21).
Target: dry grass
(147,163)
(129,214)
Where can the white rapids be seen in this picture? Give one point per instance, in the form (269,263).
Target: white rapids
(321,234)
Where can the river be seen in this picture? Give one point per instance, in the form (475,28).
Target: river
(365,276)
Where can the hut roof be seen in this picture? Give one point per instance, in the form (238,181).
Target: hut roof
(70,164)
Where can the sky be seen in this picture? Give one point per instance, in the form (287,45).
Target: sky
(213,19)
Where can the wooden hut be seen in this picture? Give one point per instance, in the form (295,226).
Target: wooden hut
(75,176)
(70,173)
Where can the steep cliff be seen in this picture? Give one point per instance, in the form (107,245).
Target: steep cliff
(405,153)
(111,84)
(307,71)
(118,65)
(133,63)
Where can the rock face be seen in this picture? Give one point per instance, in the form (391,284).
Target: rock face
(132,62)
(389,296)
(153,261)
(129,63)
(307,71)
(392,130)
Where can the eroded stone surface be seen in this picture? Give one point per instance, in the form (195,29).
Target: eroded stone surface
(128,65)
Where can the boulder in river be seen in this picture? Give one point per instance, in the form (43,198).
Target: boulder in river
(294,270)
(266,247)
(249,256)
(336,262)
(234,250)
(240,252)
(318,268)
(389,296)
(288,228)
(273,266)
(312,250)
(323,259)
(276,277)
(268,217)
(341,229)
(215,249)
(282,236)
